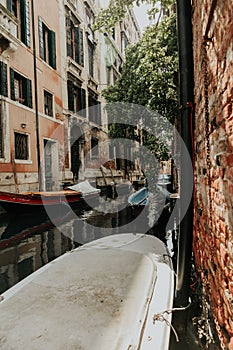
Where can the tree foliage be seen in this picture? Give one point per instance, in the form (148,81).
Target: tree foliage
(117,9)
(149,77)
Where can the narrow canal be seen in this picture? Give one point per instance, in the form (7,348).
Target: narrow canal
(28,242)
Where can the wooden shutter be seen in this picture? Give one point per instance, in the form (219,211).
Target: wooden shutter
(12,78)
(81,51)
(41,39)
(68,37)
(83,101)
(25,22)
(78,40)
(27,25)
(76,44)
(3,81)
(70,95)
(98,121)
(9,5)
(52,49)
(29,93)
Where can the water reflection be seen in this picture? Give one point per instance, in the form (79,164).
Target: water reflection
(29,242)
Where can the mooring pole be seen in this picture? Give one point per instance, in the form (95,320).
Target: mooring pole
(36,98)
(185,46)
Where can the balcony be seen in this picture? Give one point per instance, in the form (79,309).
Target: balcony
(8,32)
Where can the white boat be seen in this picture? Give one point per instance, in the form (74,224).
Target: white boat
(115,293)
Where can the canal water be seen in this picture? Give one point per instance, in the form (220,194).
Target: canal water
(28,242)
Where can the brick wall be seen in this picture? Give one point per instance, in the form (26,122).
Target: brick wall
(213,232)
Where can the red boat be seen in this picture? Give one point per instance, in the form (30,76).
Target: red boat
(31,202)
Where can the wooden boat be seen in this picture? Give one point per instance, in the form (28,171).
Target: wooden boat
(115,293)
(31,202)
(141,196)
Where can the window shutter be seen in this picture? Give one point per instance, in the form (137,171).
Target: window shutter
(12,76)
(41,40)
(52,49)
(29,93)
(76,44)
(98,112)
(81,51)
(68,37)
(23,20)
(27,25)
(9,5)
(83,101)
(3,76)
(70,95)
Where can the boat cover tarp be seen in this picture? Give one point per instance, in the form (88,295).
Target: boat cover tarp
(84,187)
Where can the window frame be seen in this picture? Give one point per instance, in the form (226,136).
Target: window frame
(25,88)
(95,154)
(21,10)
(47,44)
(27,138)
(50,112)
(76,97)
(74,40)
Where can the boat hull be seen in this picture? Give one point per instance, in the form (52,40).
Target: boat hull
(52,204)
(110,294)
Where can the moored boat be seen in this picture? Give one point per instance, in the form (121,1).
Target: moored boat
(31,202)
(114,293)
(139,197)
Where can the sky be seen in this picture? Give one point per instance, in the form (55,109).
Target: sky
(142,16)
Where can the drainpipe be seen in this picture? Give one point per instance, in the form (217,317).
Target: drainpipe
(184,23)
(36,98)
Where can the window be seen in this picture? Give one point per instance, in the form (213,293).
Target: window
(3,79)
(94,147)
(76,98)
(47,44)
(20,9)
(1,133)
(91,49)
(21,146)
(94,108)
(21,88)
(124,42)
(74,41)
(48,103)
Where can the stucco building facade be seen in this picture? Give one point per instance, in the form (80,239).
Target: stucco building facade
(53,68)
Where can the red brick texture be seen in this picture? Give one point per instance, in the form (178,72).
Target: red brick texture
(213,213)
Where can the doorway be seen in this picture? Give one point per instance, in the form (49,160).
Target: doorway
(76,140)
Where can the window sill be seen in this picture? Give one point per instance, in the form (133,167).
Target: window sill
(23,161)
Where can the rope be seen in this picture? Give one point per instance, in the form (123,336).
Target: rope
(161,317)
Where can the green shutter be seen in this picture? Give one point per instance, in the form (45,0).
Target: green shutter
(41,40)
(12,76)
(68,37)
(9,5)
(70,95)
(81,50)
(52,49)
(3,81)
(29,93)
(23,20)
(76,44)
(83,101)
